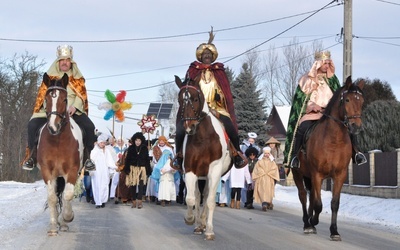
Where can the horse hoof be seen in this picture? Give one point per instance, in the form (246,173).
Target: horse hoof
(52,233)
(336,238)
(210,237)
(69,220)
(198,231)
(189,221)
(310,230)
(64,228)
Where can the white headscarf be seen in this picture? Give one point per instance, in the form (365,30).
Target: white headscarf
(102,138)
(266,149)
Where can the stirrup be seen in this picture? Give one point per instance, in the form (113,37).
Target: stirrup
(360,158)
(177,162)
(295,163)
(89,165)
(29,164)
(239,162)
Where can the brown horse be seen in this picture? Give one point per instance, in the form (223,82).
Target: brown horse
(327,154)
(205,152)
(59,154)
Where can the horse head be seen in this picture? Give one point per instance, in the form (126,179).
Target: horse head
(56,103)
(192,106)
(352,100)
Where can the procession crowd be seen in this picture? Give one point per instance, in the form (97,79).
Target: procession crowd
(117,179)
(131,172)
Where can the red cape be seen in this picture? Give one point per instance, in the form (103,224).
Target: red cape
(218,69)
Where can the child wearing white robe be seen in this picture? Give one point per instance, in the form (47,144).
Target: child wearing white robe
(103,160)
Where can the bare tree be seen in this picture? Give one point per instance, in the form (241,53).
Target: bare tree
(19,79)
(253,61)
(282,75)
(272,79)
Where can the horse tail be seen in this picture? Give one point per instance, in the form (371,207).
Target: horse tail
(60,186)
(60,189)
(307,183)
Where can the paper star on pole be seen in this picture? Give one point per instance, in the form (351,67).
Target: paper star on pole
(148,124)
(115,105)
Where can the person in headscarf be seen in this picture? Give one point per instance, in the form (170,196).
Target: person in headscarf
(136,163)
(264,175)
(103,157)
(78,107)
(216,88)
(314,91)
(159,147)
(250,142)
(164,178)
(277,153)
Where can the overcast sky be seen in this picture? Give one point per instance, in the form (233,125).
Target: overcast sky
(130,45)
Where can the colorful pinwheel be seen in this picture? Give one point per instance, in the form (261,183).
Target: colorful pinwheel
(148,124)
(115,106)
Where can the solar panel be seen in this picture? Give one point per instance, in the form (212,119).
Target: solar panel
(160,110)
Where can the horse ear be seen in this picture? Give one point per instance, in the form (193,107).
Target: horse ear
(361,84)
(178,81)
(348,82)
(46,79)
(65,80)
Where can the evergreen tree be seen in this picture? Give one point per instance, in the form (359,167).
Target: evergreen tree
(376,90)
(249,105)
(381,126)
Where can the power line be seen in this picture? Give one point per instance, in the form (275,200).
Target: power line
(284,31)
(372,40)
(169,82)
(377,37)
(156,37)
(388,2)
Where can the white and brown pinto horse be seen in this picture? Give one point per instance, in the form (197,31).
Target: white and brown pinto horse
(59,154)
(205,154)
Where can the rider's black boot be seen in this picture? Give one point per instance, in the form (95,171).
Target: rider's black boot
(30,163)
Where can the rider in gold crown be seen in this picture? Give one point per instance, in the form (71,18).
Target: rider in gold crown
(314,91)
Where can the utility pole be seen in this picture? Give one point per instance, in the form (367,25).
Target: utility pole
(348,39)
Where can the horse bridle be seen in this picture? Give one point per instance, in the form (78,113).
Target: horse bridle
(198,117)
(346,119)
(62,116)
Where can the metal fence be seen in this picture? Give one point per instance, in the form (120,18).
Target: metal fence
(379,177)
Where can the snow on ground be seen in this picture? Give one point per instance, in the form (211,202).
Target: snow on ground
(22,203)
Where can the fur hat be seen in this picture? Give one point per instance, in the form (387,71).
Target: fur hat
(138,135)
(250,151)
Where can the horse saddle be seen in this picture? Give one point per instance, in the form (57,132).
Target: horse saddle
(232,150)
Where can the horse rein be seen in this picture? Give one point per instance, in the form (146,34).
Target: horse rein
(187,101)
(62,116)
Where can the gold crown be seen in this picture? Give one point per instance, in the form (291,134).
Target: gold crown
(323,55)
(64,52)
